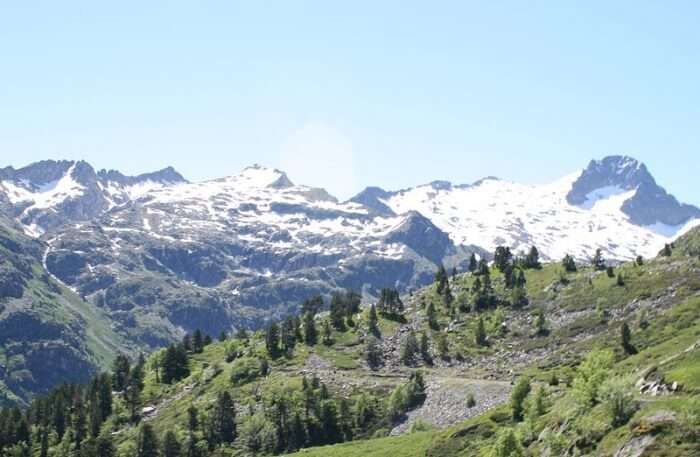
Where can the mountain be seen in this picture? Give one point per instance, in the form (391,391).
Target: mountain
(48,335)
(550,377)
(614,204)
(160,256)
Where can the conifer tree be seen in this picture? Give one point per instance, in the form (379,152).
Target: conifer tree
(472,263)
(532,259)
(372,321)
(425,348)
(310,333)
(373,353)
(626,339)
(120,372)
(569,264)
(327,333)
(147,442)
(431,314)
(337,312)
(598,261)
(272,340)
(171,445)
(224,420)
(480,333)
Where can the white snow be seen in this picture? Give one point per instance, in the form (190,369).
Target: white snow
(495,212)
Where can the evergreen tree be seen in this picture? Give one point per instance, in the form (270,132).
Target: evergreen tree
(288,336)
(517,398)
(171,445)
(175,364)
(224,420)
(626,339)
(104,446)
(120,372)
(480,333)
(620,280)
(440,279)
(431,314)
(540,322)
(390,303)
(610,271)
(272,340)
(197,341)
(147,442)
(598,261)
(667,250)
(472,263)
(409,349)
(373,353)
(532,259)
(310,333)
(327,333)
(372,321)
(337,312)
(639,261)
(503,258)
(425,348)
(569,264)
(312,305)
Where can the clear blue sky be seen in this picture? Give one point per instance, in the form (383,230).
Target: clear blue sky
(354,93)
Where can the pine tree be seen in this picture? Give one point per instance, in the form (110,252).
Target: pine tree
(104,446)
(540,322)
(425,348)
(639,261)
(472,263)
(288,336)
(312,305)
(337,312)
(224,420)
(372,322)
(667,250)
(598,261)
(431,314)
(620,280)
(517,398)
(626,339)
(171,445)
(120,372)
(272,340)
(480,333)
(373,353)
(503,258)
(327,333)
(147,442)
(197,341)
(440,278)
(532,259)
(569,264)
(310,333)
(409,349)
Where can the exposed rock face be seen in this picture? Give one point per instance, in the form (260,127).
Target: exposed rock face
(649,204)
(47,334)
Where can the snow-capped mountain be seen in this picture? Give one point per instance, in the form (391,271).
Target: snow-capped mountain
(613,204)
(48,194)
(162,254)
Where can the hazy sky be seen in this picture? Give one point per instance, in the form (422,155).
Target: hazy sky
(355,94)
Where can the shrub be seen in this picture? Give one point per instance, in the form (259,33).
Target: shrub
(245,369)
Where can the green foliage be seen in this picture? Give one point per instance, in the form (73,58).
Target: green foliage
(617,396)
(569,264)
(590,376)
(373,353)
(480,332)
(517,398)
(507,445)
(245,369)
(390,303)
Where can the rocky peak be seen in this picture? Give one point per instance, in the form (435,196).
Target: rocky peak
(620,171)
(651,204)
(372,198)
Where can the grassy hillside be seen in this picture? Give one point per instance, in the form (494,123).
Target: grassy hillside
(588,393)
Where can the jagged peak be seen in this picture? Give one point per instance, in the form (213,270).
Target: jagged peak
(257,175)
(167,175)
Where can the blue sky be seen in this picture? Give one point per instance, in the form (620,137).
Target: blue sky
(349,94)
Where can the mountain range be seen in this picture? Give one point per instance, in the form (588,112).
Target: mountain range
(156,256)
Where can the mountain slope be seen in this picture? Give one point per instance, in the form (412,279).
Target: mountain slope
(584,310)
(48,335)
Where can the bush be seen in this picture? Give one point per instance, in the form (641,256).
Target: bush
(617,396)
(245,369)
(590,376)
(507,445)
